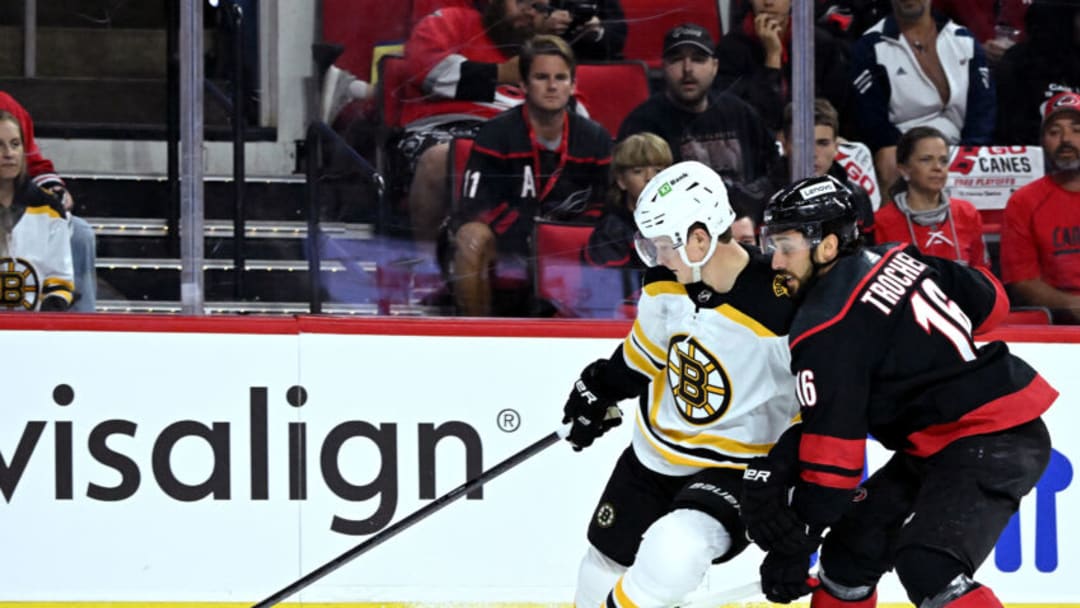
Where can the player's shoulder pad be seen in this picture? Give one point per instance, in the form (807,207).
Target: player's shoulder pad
(761,265)
(659,279)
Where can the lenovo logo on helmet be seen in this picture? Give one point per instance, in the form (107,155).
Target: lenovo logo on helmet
(817,190)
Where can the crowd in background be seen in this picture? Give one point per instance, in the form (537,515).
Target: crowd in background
(900,82)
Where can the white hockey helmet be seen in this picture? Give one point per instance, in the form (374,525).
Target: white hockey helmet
(679,197)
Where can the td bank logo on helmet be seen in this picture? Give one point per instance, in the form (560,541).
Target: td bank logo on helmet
(243,454)
(817,190)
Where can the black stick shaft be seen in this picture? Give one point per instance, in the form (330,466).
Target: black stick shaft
(407,522)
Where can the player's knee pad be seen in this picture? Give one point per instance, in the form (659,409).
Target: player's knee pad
(962,592)
(831,594)
(596,576)
(925,572)
(674,556)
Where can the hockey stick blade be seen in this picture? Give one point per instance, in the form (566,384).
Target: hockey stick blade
(712,599)
(414,517)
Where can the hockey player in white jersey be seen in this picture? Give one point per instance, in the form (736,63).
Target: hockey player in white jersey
(708,359)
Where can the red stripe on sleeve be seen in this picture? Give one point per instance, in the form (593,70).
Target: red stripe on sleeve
(1002,413)
(1001,304)
(489,216)
(833,451)
(831,480)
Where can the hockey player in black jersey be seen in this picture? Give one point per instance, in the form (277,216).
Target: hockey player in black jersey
(882,344)
(708,359)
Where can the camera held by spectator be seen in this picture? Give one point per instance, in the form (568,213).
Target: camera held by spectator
(581,12)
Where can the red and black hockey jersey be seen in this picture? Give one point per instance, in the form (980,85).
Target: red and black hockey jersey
(883,345)
(511,177)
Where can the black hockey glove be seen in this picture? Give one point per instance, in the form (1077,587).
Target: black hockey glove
(785,577)
(590,409)
(770,521)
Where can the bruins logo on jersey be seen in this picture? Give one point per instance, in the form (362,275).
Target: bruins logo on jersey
(779,287)
(19,283)
(701,387)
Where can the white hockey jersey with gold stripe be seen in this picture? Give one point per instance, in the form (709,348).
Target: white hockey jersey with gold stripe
(721,389)
(35,257)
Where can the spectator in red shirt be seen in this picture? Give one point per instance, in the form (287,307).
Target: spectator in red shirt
(1040,238)
(920,212)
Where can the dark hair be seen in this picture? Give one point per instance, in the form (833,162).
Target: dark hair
(825,115)
(906,146)
(545,45)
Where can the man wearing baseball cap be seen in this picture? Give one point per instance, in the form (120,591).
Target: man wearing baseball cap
(719,130)
(1040,238)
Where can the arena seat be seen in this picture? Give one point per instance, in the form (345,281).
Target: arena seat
(359,25)
(597,82)
(392,78)
(648,21)
(1028,315)
(557,265)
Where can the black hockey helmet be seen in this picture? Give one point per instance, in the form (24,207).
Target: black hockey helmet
(815,206)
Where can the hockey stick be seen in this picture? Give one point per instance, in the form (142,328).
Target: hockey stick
(414,517)
(712,599)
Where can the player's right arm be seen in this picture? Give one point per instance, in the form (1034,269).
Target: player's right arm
(591,407)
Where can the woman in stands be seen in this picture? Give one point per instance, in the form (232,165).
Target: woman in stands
(921,212)
(35,246)
(634,161)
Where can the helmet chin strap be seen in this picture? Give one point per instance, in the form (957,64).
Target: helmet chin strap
(695,267)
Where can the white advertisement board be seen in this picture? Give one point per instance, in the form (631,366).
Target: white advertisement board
(219,467)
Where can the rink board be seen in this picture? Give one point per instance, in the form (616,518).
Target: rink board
(160,462)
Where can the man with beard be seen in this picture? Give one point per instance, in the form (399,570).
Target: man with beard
(882,345)
(721,131)
(917,68)
(1040,237)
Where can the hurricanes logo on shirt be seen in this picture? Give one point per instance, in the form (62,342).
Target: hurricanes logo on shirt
(18,284)
(701,387)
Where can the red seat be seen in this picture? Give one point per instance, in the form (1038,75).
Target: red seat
(358,25)
(991,220)
(597,82)
(392,78)
(648,21)
(557,265)
(1028,315)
